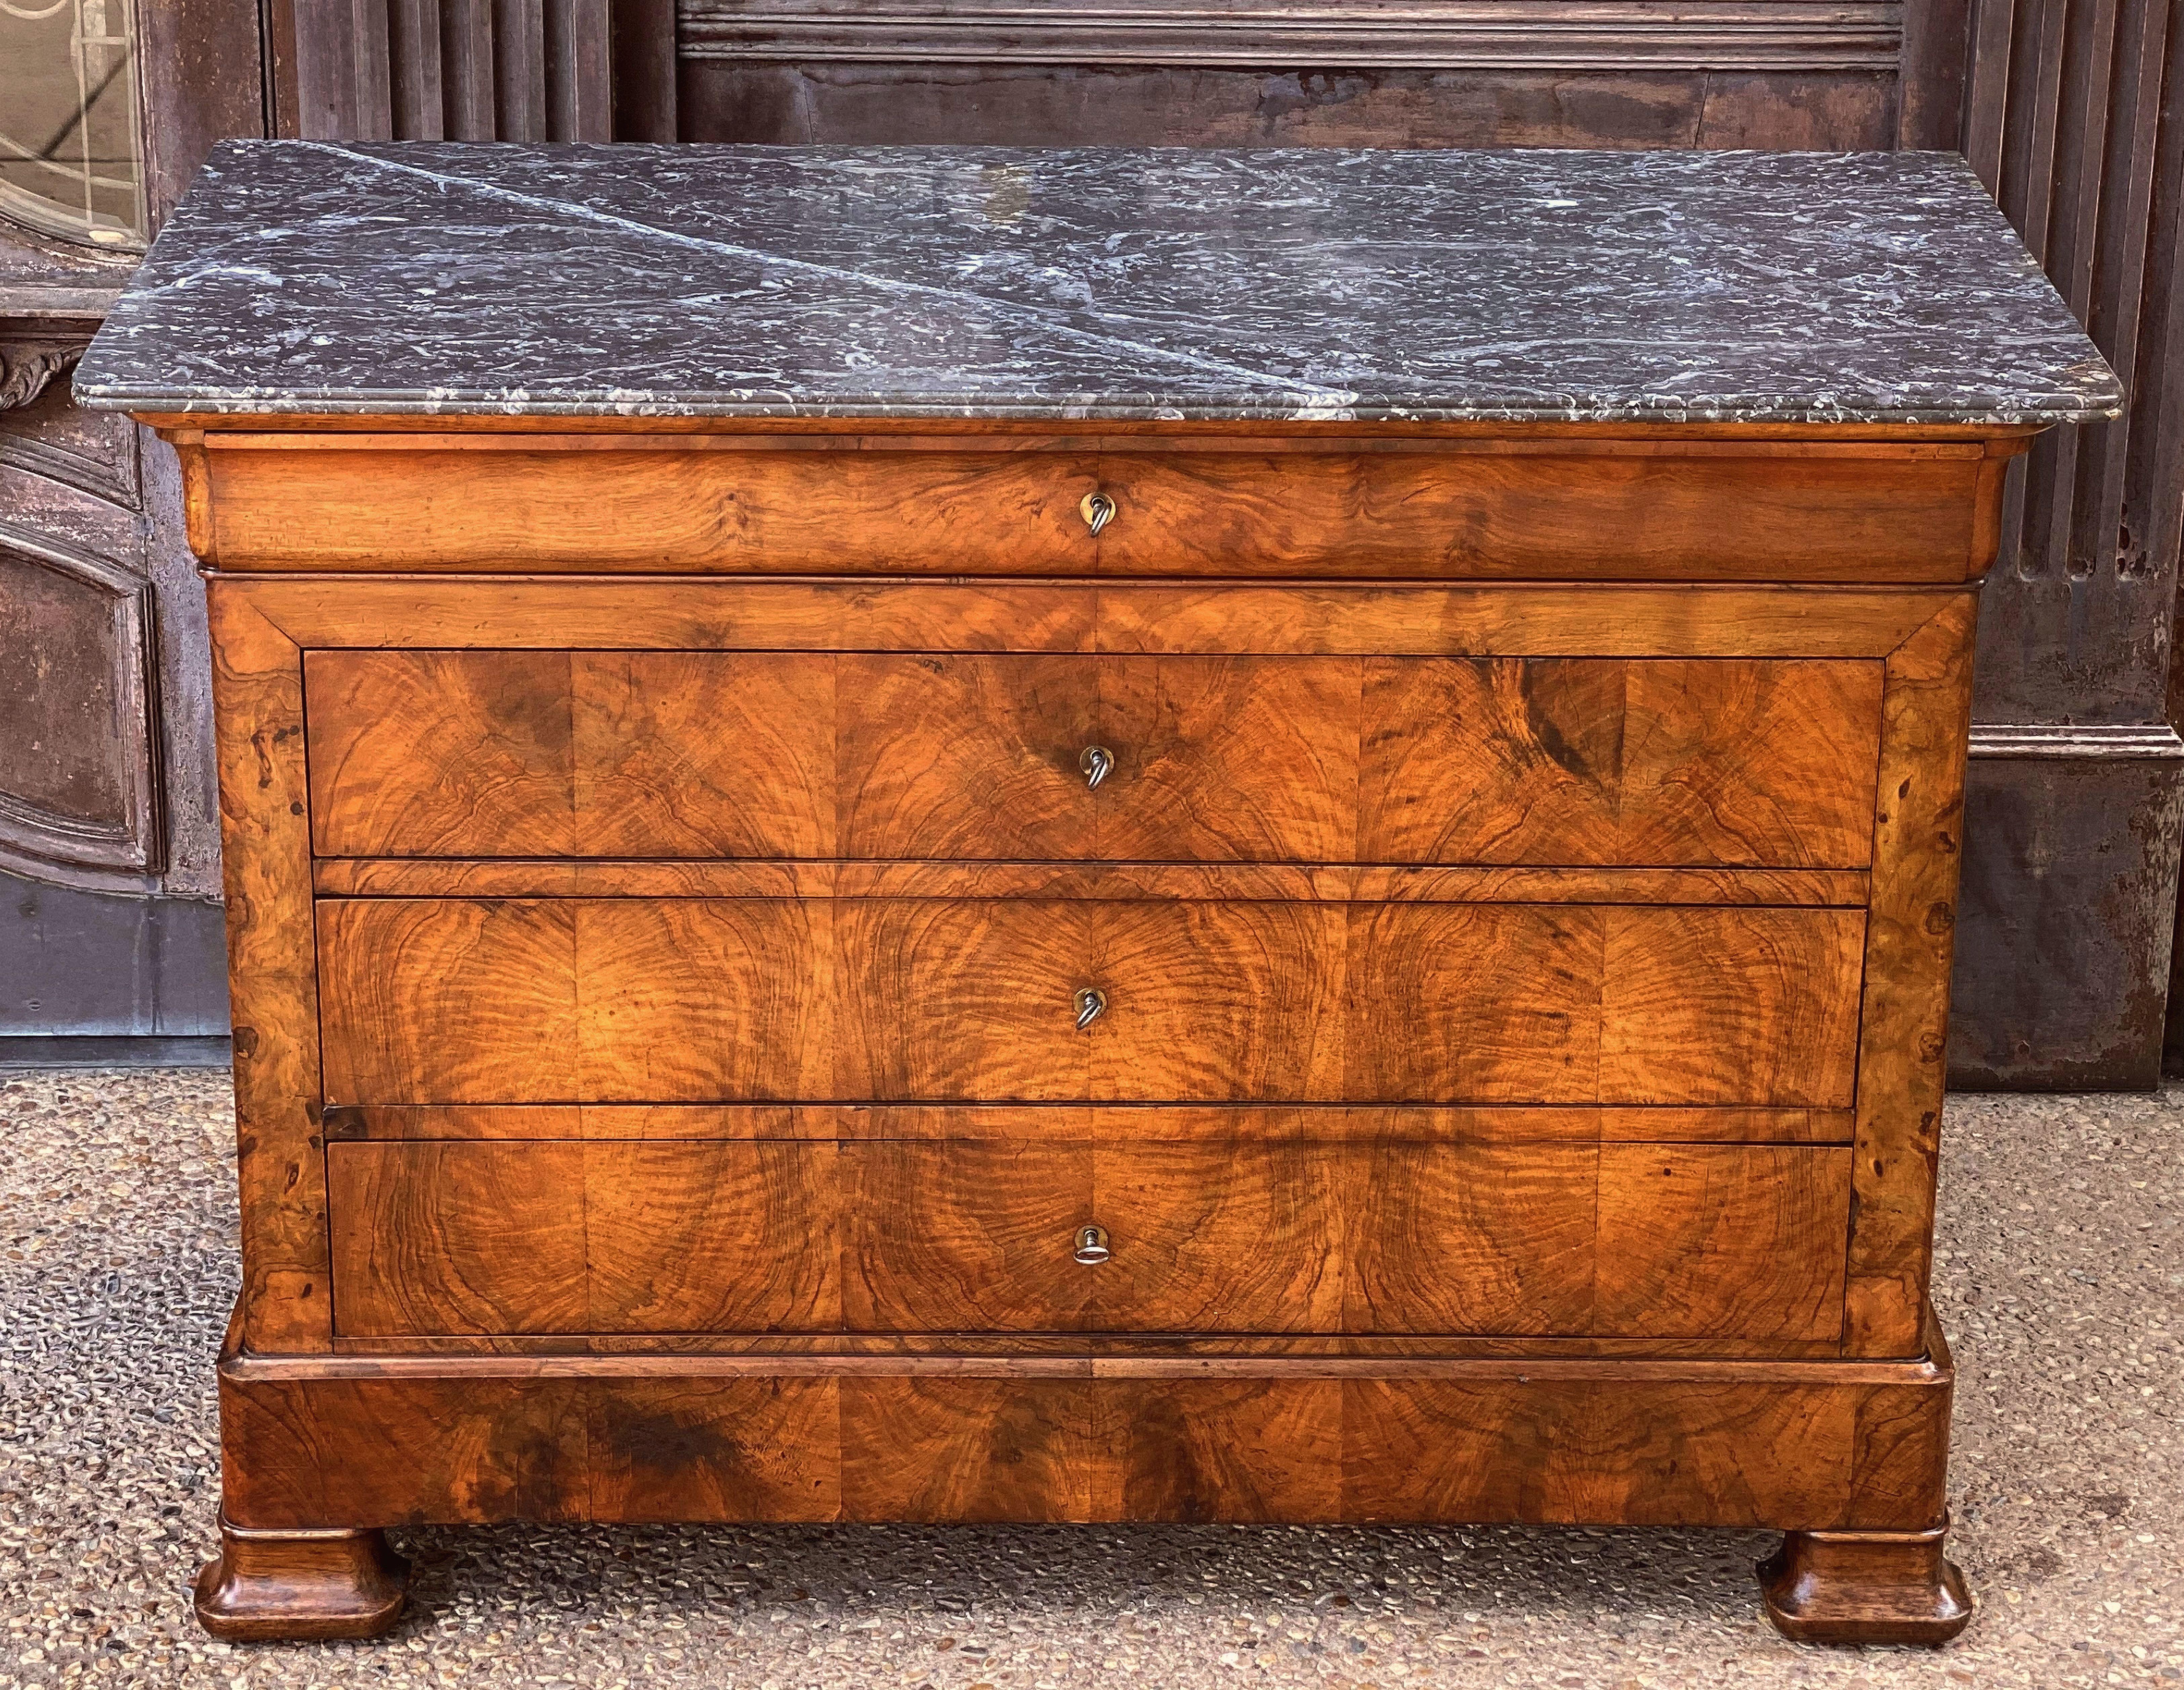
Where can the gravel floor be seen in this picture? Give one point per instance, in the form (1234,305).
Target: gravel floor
(2059,1283)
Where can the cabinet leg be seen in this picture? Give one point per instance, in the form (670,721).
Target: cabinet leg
(1864,1588)
(300,1585)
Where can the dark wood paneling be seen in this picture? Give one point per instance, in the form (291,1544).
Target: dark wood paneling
(864,103)
(2063,943)
(642,35)
(2070,119)
(78,782)
(201,69)
(443,70)
(1718,34)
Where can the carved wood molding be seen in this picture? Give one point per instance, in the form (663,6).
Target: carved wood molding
(1605,35)
(26,371)
(115,851)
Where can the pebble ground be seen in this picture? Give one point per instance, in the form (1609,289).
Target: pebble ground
(2059,1282)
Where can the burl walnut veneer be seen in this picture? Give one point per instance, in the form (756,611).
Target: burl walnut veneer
(961,836)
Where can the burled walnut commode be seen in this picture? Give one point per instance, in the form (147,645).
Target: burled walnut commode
(958,835)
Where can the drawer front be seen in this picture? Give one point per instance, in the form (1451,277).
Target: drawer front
(650,1000)
(1616,511)
(703,754)
(1733,1242)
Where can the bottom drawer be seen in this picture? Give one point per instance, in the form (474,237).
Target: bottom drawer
(1727,1240)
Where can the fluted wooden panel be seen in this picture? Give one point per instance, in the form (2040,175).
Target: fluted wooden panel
(2071,836)
(447,69)
(2063,123)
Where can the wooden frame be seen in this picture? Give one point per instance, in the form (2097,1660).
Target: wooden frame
(262,624)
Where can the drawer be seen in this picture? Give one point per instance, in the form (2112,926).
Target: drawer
(1618,510)
(1733,1242)
(707,754)
(668,1000)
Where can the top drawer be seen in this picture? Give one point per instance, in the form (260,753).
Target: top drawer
(1572,510)
(1599,762)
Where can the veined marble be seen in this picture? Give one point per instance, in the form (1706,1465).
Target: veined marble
(1093,283)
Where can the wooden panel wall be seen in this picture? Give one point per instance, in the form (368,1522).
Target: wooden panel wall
(1447,72)
(2077,781)
(458,70)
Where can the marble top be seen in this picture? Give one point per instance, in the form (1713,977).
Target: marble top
(1093,283)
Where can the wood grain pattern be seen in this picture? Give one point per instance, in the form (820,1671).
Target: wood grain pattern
(1214,759)
(455,753)
(714,1450)
(549,1001)
(1720,1006)
(737,1236)
(307,1585)
(1447,1451)
(459,1238)
(1596,761)
(273,987)
(569,1236)
(968,1449)
(1693,1238)
(704,999)
(962,1000)
(966,1236)
(703,754)
(536,507)
(1202,618)
(1230,1450)
(717,1000)
(444,999)
(1217,758)
(1472,1239)
(1574,620)
(1574,515)
(1488,1004)
(442,753)
(1725,1242)
(957,756)
(1865,1587)
(604,507)
(1498,1055)
(966,756)
(1244,1123)
(1334,883)
(1903,1029)
(1217,1001)
(1516,1003)
(1780,1444)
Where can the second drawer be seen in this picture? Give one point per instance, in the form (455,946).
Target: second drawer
(1730,1242)
(696,1000)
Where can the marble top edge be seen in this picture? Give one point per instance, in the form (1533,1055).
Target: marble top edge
(1078,285)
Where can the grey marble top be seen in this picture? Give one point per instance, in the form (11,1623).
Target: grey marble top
(1093,283)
